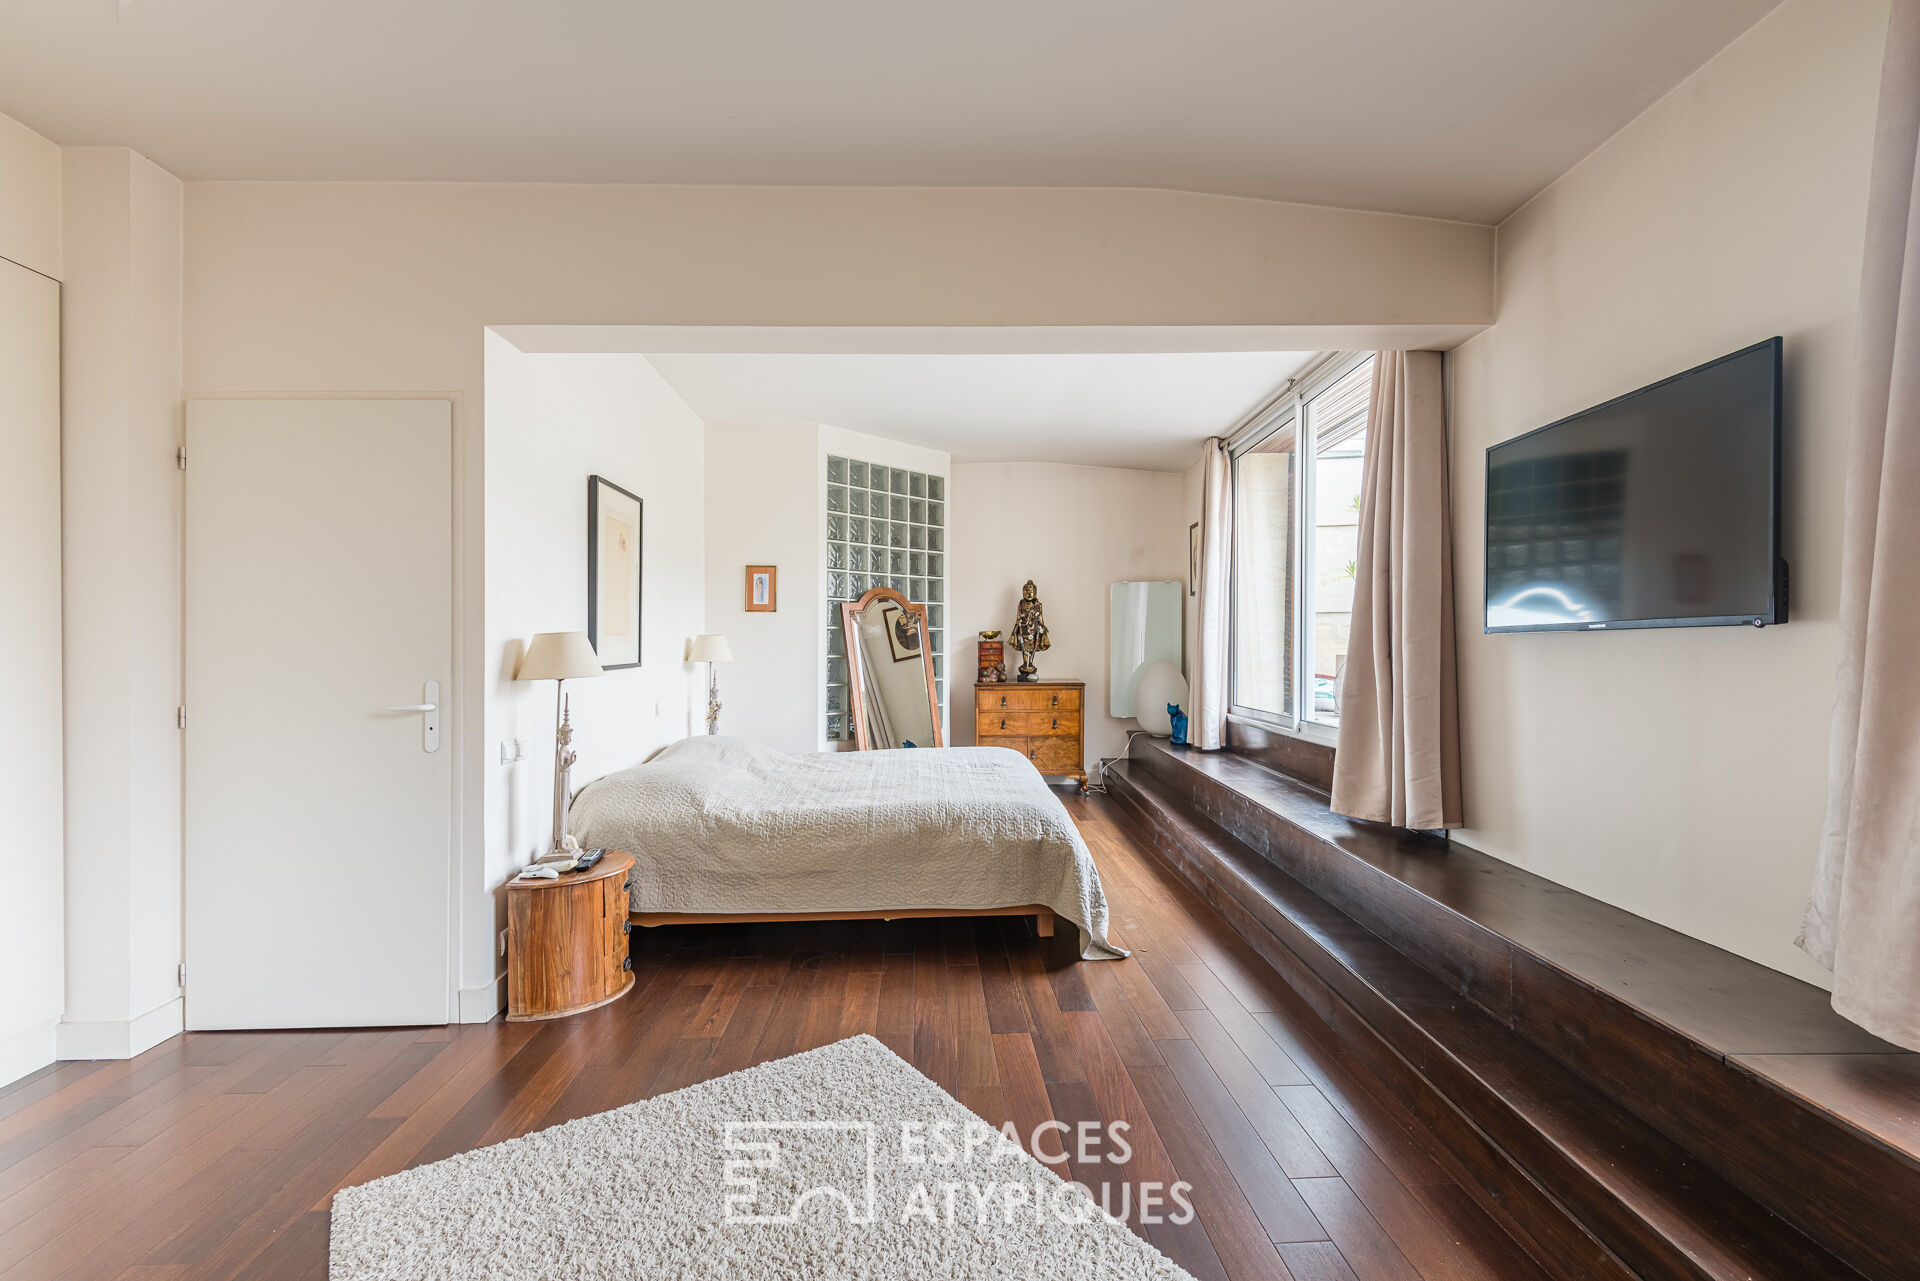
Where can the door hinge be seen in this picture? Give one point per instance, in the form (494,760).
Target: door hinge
(180,717)
(180,457)
(182,976)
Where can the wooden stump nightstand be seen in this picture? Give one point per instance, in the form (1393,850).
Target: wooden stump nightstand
(567,941)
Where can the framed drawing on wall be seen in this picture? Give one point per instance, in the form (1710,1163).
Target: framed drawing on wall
(613,573)
(763,589)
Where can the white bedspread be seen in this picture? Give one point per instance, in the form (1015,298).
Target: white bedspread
(721,824)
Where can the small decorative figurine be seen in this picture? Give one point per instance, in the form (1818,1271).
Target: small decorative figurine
(1179,719)
(1030,631)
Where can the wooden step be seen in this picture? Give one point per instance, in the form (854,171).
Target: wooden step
(1748,1069)
(1589,1189)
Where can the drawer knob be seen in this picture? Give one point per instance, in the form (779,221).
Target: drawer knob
(1056,722)
(627,964)
(1003,700)
(1003,722)
(626,927)
(627,884)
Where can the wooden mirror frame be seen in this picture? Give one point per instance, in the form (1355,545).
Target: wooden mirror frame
(850,612)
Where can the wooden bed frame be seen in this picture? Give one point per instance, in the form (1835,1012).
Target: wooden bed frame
(1043,916)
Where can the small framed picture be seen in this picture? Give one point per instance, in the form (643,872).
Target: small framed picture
(1193,559)
(763,589)
(903,632)
(613,573)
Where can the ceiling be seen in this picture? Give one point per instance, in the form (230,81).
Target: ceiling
(1147,411)
(1462,109)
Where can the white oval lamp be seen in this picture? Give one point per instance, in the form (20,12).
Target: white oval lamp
(1160,683)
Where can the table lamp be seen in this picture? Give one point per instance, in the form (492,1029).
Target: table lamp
(560,657)
(711,650)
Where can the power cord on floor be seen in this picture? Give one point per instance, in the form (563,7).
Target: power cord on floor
(1101,786)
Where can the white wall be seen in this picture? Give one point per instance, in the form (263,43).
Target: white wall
(30,752)
(29,199)
(1075,531)
(764,509)
(1679,774)
(552,421)
(121,343)
(380,287)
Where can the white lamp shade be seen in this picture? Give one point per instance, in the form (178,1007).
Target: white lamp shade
(709,649)
(559,656)
(1161,683)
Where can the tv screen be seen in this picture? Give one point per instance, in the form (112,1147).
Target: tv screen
(1658,509)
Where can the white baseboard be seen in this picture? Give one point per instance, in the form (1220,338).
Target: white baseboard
(26,1052)
(122,1038)
(483,1004)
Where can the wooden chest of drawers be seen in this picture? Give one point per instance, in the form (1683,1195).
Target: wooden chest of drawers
(1041,720)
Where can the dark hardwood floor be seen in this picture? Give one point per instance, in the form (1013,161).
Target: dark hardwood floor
(215,1155)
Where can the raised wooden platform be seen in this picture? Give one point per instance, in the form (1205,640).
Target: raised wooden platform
(1686,1112)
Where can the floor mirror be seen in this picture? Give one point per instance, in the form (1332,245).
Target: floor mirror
(890,672)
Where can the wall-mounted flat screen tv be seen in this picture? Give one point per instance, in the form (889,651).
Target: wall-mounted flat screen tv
(1658,509)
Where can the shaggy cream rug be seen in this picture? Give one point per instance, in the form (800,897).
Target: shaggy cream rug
(843,1162)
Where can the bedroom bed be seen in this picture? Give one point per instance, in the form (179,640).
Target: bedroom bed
(722,829)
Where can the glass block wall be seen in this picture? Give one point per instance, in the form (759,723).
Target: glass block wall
(886,527)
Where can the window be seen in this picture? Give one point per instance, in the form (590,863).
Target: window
(1296,512)
(1263,524)
(886,527)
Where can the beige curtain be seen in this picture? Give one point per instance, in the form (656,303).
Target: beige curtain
(1398,757)
(1210,688)
(1863,920)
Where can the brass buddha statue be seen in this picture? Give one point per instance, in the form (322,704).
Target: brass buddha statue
(1030,631)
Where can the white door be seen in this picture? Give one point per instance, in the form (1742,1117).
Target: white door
(319,620)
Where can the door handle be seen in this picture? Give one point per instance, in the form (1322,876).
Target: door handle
(428,709)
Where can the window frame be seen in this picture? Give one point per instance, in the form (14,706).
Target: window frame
(1289,409)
